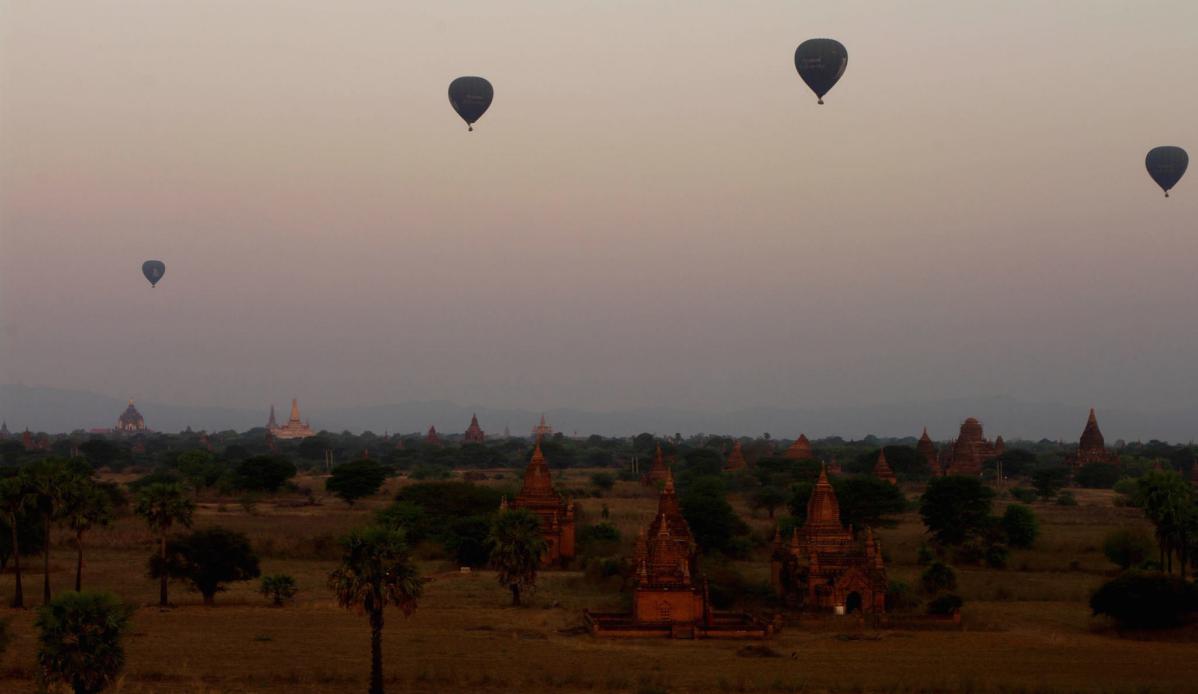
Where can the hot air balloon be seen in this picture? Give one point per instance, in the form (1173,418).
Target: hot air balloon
(1166,165)
(153,270)
(470,97)
(820,63)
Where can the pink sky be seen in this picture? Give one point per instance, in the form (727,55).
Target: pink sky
(654,211)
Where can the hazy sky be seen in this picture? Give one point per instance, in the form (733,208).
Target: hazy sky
(654,212)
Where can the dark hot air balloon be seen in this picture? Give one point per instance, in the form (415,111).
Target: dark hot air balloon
(820,63)
(1166,165)
(153,270)
(470,97)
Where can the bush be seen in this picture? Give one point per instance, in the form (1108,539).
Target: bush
(79,640)
(712,520)
(924,555)
(996,556)
(938,578)
(430,472)
(1066,499)
(466,538)
(1129,489)
(955,508)
(1146,600)
(945,604)
(1049,480)
(280,588)
(900,597)
(1024,494)
(1020,525)
(263,473)
(1128,547)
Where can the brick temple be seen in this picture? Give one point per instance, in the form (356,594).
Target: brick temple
(823,567)
(1092,447)
(670,597)
(799,450)
(882,469)
(927,452)
(474,433)
(556,514)
(969,452)
(659,470)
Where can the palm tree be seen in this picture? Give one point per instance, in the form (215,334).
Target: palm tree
(84,506)
(376,570)
(15,499)
(516,550)
(163,505)
(47,482)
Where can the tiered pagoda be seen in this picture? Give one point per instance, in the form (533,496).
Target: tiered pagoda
(967,454)
(670,598)
(799,450)
(1092,447)
(882,469)
(736,459)
(295,428)
(4,434)
(659,470)
(474,433)
(542,430)
(432,438)
(823,567)
(130,421)
(927,451)
(556,514)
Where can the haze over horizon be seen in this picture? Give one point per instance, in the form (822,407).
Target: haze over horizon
(654,212)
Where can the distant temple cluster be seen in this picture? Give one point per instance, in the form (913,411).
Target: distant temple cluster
(293,429)
(969,452)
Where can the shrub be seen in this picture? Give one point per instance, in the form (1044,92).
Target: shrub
(603,481)
(430,472)
(1049,480)
(1066,499)
(1129,490)
(900,597)
(280,588)
(466,538)
(938,578)
(945,604)
(1146,600)
(996,556)
(1020,525)
(1024,494)
(924,555)
(263,473)
(79,640)
(955,508)
(1128,547)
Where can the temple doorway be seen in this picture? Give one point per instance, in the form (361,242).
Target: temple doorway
(852,603)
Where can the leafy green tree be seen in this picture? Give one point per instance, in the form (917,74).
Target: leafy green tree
(603,481)
(1098,475)
(263,473)
(280,588)
(1127,547)
(207,559)
(868,502)
(100,452)
(24,529)
(199,468)
(1016,462)
(466,538)
(713,522)
(1020,525)
(1048,481)
(79,640)
(1146,600)
(516,547)
(355,480)
(1169,503)
(376,571)
(85,505)
(163,506)
(955,508)
(769,498)
(426,510)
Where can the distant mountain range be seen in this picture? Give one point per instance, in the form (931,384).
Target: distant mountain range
(56,410)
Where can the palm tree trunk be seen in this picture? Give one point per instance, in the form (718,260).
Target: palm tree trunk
(376,651)
(18,596)
(515,594)
(162,579)
(46,565)
(79,561)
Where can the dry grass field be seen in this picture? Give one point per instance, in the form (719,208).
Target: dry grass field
(1026,628)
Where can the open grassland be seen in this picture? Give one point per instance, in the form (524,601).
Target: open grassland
(1027,628)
